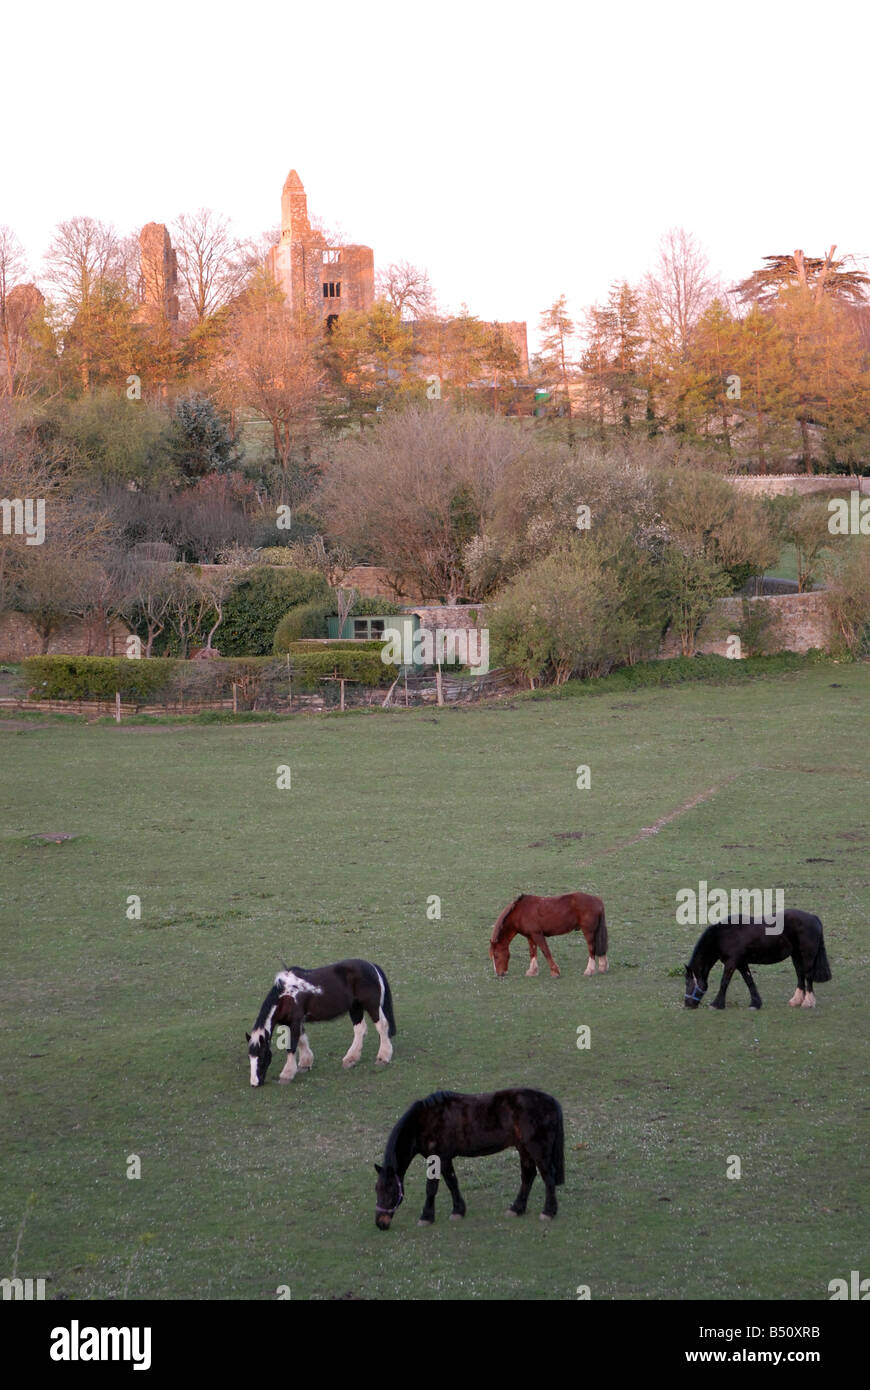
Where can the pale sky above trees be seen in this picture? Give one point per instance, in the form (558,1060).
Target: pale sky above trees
(513,154)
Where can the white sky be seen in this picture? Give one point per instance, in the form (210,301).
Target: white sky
(513,150)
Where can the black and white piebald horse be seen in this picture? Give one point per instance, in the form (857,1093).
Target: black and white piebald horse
(743,941)
(298,997)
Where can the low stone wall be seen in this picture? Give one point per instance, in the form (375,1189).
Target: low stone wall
(464,616)
(782,484)
(19,639)
(799,623)
(373,581)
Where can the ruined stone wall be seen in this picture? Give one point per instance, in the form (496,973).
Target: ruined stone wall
(434,616)
(19,639)
(781,484)
(302,263)
(800,622)
(158,272)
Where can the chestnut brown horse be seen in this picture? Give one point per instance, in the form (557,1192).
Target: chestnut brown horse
(537,918)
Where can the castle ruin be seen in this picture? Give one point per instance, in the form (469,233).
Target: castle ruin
(318,280)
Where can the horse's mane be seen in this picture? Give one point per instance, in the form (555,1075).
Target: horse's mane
(439,1097)
(496,931)
(268,1005)
(397,1131)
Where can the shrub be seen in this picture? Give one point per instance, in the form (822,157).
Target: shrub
(848,600)
(359,661)
(756,627)
(373,608)
(259,602)
(305,620)
(565,615)
(97,677)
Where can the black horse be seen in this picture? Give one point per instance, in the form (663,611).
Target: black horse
(298,996)
(445,1126)
(743,941)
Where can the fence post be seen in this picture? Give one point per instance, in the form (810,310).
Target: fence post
(117,706)
(438,685)
(235,699)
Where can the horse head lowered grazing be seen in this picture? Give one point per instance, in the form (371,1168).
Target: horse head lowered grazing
(537,918)
(739,942)
(298,996)
(446,1125)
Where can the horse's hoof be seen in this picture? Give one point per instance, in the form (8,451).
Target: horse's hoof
(348,1064)
(590,970)
(555,974)
(530,974)
(457,1216)
(421,1222)
(284,1080)
(809,1002)
(307,1067)
(383,1061)
(544,1217)
(510,1212)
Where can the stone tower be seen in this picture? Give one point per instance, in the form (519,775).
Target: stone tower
(158,272)
(315,278)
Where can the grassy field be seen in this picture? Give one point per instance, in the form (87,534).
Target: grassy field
(125,1037)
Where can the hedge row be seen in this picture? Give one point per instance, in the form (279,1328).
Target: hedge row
(679,670)
(97,677)
(156,680)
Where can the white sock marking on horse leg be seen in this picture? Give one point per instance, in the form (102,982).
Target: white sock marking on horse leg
(796,999)
(354,1052)
(290,1068)
(809,1001)
(533,966)
(590,969)
(305,1055)
(602,965)
(385,1051)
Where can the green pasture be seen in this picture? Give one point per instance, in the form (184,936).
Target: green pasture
(126,1037)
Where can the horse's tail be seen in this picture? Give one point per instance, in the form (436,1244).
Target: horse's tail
(600,943)
(821,966)
(559,1147)
(387,1003)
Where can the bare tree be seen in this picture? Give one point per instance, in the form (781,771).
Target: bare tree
(413,493)
(12,266)
(679,288)
(86,263)
(269,365)
(151,596)
(407,288)
(212,264)
(82,253)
